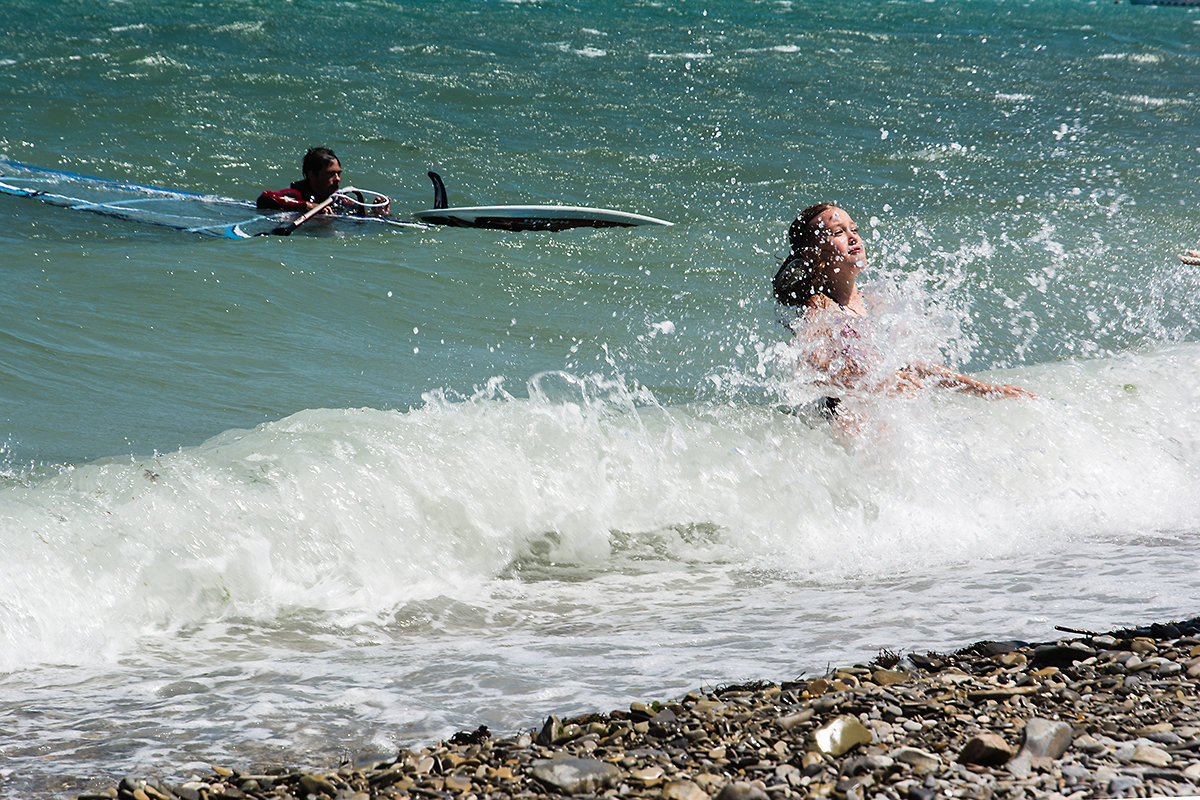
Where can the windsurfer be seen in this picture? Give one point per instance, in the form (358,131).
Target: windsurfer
(322,179)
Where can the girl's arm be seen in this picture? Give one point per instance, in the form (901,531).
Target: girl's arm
(946,378)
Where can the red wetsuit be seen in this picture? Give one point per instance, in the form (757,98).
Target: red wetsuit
(299,194)
(294,198)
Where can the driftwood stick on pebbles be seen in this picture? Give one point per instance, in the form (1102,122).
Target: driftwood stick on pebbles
(1099,715)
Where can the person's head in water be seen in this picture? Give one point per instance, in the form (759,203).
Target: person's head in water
(323,172)
(826,255)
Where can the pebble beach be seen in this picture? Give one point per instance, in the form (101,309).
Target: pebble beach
(1088,715)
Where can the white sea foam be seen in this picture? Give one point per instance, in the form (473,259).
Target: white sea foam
(683,56)
(382,578)
(353,514)
(158,60)
(587,52)
(1135,58)
(779,48)
(245,26)
(1147,100)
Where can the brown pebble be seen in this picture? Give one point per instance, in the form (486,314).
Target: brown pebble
(985,749)
(314,784)
(885,677)
(740,790)
(457,783)
(683,790)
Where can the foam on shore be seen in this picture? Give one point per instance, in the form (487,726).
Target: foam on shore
(1095,715)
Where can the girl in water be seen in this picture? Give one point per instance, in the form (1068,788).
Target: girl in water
(832,326)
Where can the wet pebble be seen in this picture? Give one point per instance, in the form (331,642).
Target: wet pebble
(575,775)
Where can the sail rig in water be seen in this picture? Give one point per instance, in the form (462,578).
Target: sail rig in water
(210,215)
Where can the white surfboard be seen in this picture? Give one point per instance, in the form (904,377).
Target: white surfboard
(525,218)
(534,218)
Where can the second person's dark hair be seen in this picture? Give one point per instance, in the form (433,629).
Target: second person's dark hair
(317,159)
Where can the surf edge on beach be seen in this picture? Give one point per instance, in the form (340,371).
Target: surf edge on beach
(1090,715)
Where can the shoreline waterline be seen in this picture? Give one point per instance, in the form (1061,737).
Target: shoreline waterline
(1088,715)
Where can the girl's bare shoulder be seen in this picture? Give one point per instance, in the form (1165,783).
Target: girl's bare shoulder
(819,302)
(819,307)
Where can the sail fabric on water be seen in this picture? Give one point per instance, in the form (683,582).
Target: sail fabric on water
(210,215)
(185,211)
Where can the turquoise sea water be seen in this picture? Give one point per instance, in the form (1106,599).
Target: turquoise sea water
(289,500)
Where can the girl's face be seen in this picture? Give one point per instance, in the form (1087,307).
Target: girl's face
(838,242)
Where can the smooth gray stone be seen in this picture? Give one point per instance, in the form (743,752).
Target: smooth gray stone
(1190,744)
(576,775)
(920,760)
(1121,784)
(1166,737)
(739,790)
(1046,738)
(1075,774)
(664,717)
(825,703)
(792,720)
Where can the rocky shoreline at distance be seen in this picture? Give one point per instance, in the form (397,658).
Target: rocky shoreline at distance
(1092,715)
